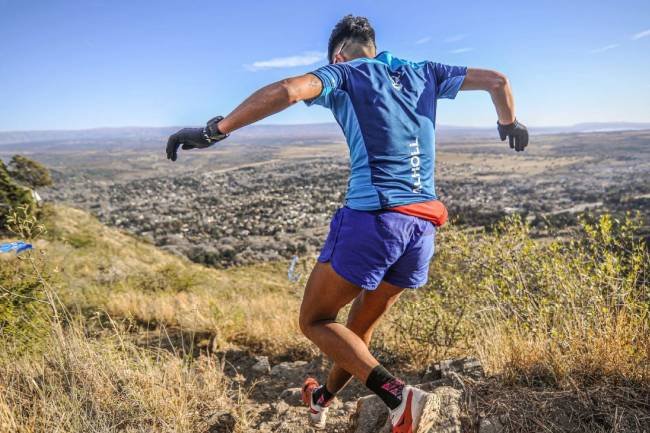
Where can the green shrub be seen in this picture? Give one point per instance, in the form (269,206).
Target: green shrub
(12,196)
(81,240)
(28,172)
(165,279)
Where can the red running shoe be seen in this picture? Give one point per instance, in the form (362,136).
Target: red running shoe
(317,413)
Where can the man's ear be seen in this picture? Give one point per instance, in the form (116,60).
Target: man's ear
(338,58)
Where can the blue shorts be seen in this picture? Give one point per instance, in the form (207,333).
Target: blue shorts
(366,247)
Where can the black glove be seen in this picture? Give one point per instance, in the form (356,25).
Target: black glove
(194,138)
(517,134)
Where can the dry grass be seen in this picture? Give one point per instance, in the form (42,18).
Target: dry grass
(95,370)
(615,352)
(108,384)
(104,270)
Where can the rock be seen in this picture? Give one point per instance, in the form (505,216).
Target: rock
(285,427)
(292,428)
(289,370)
(221,422)
(266,427)
(262,365)
(336,404)
(468,366)
(441,413)
(280,407)
(292,396)
(491,425)
(317,366)
(371,416)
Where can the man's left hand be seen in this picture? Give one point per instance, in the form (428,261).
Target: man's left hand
(516,132)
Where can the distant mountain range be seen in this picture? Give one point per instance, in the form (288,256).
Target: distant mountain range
(154,136)
(319,133)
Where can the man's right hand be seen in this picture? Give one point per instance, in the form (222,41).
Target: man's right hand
(189,138)
(195,138)
(516,132)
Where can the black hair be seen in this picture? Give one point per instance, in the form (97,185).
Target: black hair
(353,29)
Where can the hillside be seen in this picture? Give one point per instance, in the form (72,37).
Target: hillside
(147,341)
(104,269)
(163,309)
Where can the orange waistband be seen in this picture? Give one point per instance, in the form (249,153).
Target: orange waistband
(433,211)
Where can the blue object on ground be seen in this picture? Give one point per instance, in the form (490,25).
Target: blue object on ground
(19,247)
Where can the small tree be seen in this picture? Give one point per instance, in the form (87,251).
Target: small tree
(29,173)
(12,195)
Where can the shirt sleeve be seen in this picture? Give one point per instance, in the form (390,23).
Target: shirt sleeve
(448,79)
(333,77)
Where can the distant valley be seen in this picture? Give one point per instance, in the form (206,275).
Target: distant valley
(268,193)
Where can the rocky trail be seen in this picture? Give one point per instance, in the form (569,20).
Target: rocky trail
(462,400)
(273,404)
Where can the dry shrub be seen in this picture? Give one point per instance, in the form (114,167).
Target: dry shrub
(561,324)
(538,311)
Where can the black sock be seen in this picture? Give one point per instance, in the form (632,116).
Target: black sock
(322,396)
(386,386)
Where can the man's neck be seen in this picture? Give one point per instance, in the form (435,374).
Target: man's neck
(357,52)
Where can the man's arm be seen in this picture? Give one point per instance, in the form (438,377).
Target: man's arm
(498,86)
(268,100)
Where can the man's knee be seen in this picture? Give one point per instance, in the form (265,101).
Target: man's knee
(308,322)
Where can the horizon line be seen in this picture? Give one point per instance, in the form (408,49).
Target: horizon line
(95,128)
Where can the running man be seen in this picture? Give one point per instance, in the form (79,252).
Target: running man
(382,240)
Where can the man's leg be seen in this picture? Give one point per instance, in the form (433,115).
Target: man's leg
(325,294)
(368,307)
(386,252)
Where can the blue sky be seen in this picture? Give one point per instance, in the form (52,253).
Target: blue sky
(92,63)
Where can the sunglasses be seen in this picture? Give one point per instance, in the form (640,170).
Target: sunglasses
(339,51)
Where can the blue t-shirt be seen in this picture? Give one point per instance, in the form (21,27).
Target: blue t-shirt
(387,109)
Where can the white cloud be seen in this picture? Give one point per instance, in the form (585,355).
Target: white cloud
(304,59)
(605,48)
(461,50)
(423,40)
(640,35)
(455,38)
